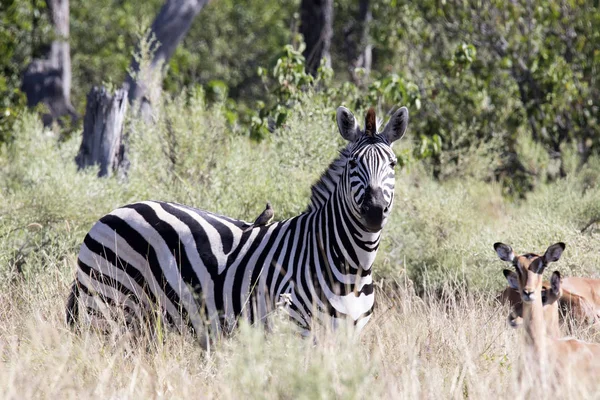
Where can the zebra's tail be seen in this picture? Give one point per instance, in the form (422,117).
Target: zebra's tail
(72,304)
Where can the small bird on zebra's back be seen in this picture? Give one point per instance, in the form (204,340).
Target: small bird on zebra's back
(264,218)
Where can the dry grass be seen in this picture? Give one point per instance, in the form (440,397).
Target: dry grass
(412,348)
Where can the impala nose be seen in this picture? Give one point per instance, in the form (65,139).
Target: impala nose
(515,321)
(528,295)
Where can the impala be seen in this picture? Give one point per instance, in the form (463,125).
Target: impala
(582,297)
(567,354)
(512,296)
(581,309)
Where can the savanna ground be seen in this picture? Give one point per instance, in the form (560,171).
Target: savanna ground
(436,331)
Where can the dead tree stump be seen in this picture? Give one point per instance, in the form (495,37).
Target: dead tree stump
(102,143)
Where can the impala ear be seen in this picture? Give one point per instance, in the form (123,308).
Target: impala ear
(554,252)
(504,251)
(347,124)
(511,278)
(555,283)
(396,126)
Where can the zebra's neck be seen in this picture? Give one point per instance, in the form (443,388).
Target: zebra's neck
(344,238)
(357,247)
(343,262)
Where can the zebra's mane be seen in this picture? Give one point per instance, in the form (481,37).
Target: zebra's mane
(324,187)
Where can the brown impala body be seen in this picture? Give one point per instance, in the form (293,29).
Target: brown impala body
(581,296)
(567,355)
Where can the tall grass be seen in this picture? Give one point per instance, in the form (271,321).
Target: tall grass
(450,341)
(411,349)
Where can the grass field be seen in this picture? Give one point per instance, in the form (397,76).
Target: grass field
(451,340)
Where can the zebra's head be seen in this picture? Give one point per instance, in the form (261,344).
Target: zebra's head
(369,172)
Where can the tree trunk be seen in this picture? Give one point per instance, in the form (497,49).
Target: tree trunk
(358,45)
(48,81)
(102,142)
(168,30)
(316,25)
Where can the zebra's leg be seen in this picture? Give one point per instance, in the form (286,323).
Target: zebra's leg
(108,310)
(72,314)
(95,312)
(152,323)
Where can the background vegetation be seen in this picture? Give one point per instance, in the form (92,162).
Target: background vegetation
(502,146)
(471,71)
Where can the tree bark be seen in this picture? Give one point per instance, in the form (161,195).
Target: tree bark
(48,81)
(102,142)
(316,25)
(359,49)
(168,30)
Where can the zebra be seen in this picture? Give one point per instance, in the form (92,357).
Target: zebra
(203,271)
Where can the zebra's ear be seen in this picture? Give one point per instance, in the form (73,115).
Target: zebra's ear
(347,124)
(396,126)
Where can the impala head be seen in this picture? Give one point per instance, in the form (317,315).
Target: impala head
(551,292)
(529,269)
(370,165)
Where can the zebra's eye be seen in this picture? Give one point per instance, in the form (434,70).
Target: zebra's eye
(353,163)
(393,162)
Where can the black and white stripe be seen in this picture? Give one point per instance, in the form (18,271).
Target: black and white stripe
(204,270)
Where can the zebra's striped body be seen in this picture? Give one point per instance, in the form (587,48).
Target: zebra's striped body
(205,270)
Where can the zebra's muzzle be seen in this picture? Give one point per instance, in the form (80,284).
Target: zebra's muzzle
(374,209)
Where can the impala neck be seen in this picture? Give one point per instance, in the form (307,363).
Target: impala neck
(551,320)
(535,327)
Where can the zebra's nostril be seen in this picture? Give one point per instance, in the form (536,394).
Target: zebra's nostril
(386,210)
